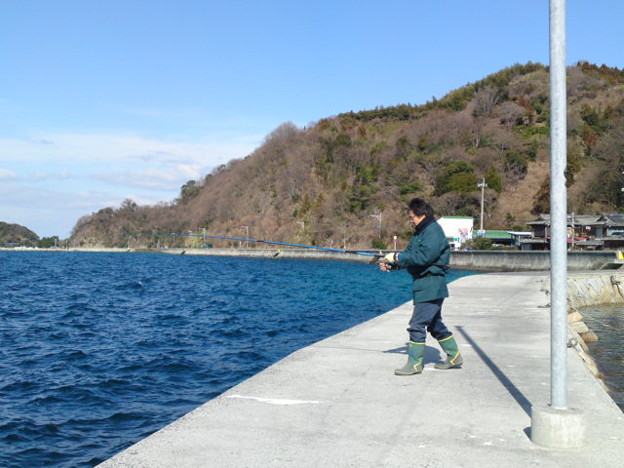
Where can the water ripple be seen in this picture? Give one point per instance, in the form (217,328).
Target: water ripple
(101,350)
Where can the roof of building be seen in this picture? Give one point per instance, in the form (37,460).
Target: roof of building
(497,234)
(583,220)
(611,219)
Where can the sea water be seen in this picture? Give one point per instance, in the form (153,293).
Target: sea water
(607,322)
(99,350)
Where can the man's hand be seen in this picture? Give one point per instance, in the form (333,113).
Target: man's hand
(391,258)
(388,263)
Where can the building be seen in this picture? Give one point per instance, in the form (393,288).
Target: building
(458,229)
(585,232)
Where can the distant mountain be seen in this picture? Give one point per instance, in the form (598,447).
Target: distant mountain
(15,235)
(346,179)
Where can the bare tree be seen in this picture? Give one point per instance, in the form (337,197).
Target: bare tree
(509,113)
(485,101)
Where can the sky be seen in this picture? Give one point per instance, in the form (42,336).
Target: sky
(105,100)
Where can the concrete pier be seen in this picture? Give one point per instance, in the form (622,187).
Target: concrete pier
(337,403)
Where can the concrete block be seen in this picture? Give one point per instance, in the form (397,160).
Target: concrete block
(575,317)
(557,428)
(589,337)
(590,363)
(579,327)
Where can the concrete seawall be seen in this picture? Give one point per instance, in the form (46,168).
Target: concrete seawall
(588,289)
(276,253)
(510,260)
(595,288)
(337,403)
(482,260)
(490,260)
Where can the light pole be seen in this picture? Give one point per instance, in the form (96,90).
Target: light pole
(482,186)
(246,228)
(378,216)
(556,425)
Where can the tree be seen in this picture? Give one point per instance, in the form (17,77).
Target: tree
(128,206)
(189,190)
(458,177)
(462,182)
(510,113)
(541,200)
(47,242)
(485,101)
(493,180)
(515,166)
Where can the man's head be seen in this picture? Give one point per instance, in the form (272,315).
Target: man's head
(419,209)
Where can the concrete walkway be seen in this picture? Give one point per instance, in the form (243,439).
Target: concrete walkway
(337,403)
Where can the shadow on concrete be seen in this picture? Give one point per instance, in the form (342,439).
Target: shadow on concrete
(515,392)
(431,354)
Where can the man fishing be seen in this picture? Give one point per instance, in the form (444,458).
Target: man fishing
(426,258)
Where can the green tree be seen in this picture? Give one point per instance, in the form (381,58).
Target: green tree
(189,190)
(47,242)
(494,180)
(462,182)
(481,243)
(378,244)
(458,177)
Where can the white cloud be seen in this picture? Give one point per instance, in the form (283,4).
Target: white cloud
(163,179)
(51,180)
(7,175)
(41,176)
(94,148)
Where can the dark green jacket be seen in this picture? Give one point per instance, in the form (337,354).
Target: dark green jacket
(426,258)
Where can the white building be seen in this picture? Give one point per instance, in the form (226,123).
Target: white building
(458,229)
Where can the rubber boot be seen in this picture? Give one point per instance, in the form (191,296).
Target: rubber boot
(414,365)
(453,358)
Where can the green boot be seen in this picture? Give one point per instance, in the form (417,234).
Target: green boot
(453,358)
(414,364)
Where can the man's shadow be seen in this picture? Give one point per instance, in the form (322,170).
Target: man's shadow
(432,354)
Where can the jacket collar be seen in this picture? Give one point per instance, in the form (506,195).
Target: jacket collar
(423,224)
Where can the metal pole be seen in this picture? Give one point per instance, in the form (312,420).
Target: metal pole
(558,206)
(378,216)
(246,228)
(482,185)
(573,232)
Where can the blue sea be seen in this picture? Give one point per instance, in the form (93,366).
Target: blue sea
(608,324)
(99,350)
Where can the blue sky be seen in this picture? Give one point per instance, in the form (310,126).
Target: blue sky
(104,100)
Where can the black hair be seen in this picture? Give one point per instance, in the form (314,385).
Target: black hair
(420,207)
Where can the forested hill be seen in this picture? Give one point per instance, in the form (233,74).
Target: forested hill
(12,235)
(323,184)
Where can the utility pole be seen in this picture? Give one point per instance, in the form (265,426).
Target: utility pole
(378,216)
(246,228)
(482,186)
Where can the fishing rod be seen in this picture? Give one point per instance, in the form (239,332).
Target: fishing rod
(376,256)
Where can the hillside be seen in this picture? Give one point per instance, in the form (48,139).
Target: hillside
(322,184)
(12,235)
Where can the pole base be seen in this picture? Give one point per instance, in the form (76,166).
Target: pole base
(557,428)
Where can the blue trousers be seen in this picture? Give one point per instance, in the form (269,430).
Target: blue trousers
(427,317)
